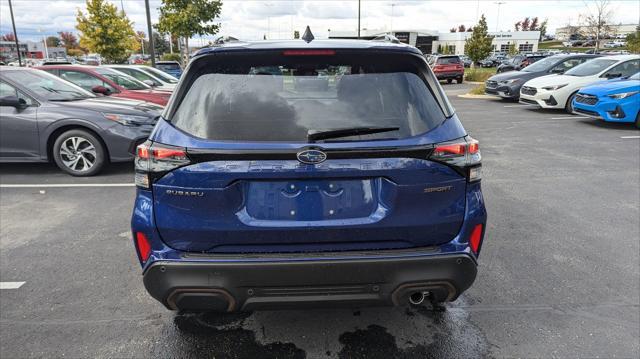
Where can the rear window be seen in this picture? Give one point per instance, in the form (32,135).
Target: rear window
(168,67)
(285,98)
(451,60)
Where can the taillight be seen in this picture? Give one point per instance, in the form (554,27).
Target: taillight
(144,247)
(154,160)
(475,238)
(463,155)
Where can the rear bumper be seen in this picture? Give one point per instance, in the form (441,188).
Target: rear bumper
(449,75)
(374,280)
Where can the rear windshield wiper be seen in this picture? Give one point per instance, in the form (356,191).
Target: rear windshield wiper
(314,136)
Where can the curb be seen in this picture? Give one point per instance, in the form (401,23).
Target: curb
(474,82)
(469,95)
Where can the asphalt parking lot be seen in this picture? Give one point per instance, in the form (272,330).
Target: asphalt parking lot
(559,272)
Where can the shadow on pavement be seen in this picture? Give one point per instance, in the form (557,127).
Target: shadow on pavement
(368,333)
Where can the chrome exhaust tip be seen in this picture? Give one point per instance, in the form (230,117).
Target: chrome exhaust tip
(416,298)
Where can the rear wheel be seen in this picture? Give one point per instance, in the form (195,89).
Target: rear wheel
(449,81)
(638,120)
(79,153)
(459,80)
(569,106)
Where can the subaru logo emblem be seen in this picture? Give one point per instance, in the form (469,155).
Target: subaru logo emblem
(311,156)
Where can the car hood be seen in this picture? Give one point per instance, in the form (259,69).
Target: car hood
(551,80)
(515,75)
(115,105)
(612,87)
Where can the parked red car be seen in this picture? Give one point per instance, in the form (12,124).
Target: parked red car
(108,82)
(447,67)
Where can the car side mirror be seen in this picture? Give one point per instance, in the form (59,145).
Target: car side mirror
(101,90)
(149,82)
(613,75)
(13,101)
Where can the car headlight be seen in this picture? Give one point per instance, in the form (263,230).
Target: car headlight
(508,82)
(127,120)
(554,87)
(620,96)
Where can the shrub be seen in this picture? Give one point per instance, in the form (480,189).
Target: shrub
(172,57)
(479,74)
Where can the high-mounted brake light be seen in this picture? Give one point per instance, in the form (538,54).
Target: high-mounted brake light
(463,155)
(309,53)
(144,247)
(154,160)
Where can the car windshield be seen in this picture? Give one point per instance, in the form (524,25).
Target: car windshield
(141,75)
(247,101)
(590,68)
(636,76)
(47,86)
(121,79)
(541,65)
(161,75)
(168,67)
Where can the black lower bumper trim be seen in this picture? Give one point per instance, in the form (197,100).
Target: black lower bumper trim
(245,285)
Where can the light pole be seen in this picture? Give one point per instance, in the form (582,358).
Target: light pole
(15,34)
(498,17)
(358,19)
(392,5)
(152,50)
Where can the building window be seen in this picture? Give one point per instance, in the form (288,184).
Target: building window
(452,49)
(504,48)
(525,47)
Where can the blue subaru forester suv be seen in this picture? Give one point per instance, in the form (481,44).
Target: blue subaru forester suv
(292,173)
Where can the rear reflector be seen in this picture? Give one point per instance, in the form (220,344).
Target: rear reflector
(144,248)
(476,237)
(309,53)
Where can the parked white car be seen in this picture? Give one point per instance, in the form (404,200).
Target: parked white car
(139,74)
(557,91)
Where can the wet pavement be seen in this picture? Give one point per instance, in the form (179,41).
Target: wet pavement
(559,273)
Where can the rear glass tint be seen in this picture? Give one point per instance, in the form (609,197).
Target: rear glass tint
(284,98)
(453,60)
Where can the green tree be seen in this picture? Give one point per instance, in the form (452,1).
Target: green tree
(53,41)
(543,29)
(106,31)
(186,18)
(160,44)
(478,46)
(512,49)
(633,41)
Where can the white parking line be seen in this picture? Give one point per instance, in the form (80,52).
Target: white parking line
(567,117)
(63,185)
(627,137)
(11,285)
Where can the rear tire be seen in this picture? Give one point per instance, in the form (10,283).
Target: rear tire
(638,120)
(449,81)
(79,153)
(459,80)
(569,106)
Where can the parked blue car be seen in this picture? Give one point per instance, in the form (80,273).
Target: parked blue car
(343,179)
(611,101)
(173,68)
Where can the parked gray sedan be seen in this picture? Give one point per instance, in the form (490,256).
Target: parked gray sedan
(44,118)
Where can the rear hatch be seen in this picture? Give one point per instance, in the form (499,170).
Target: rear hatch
(334,151)
(448,64)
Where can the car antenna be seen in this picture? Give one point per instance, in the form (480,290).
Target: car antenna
(307,36)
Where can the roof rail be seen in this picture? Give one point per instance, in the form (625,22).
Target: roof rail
(386,38)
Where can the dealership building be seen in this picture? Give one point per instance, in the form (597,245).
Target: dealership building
(429,41)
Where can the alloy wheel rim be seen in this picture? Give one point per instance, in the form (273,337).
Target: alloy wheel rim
(78,154)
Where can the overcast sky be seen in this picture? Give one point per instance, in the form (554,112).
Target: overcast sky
(250,20)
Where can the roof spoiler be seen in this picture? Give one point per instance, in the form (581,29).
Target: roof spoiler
(387,38)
